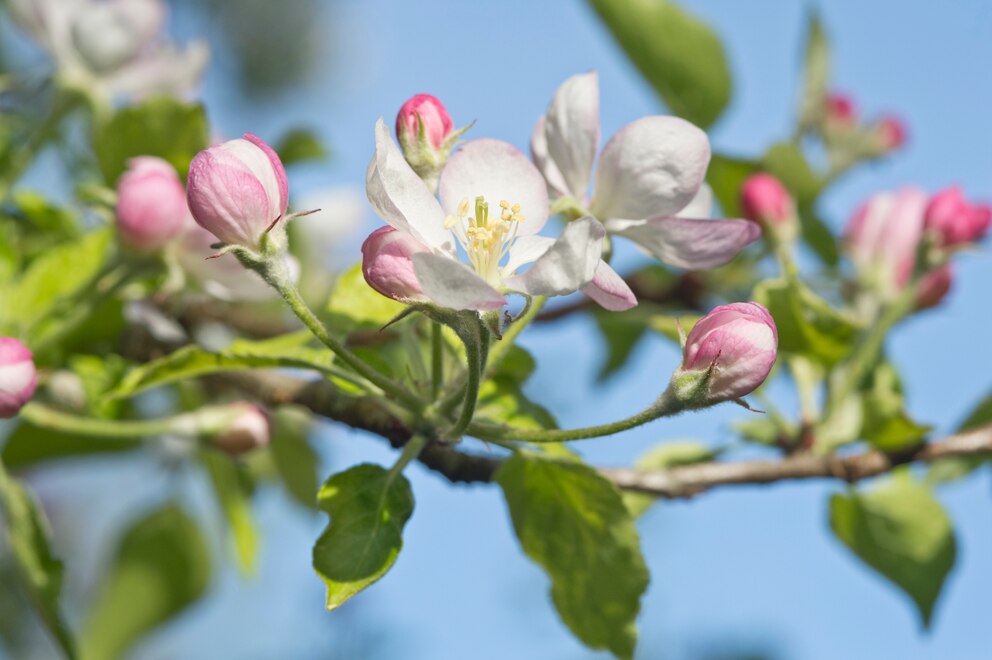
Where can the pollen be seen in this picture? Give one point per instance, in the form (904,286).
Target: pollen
(486,239)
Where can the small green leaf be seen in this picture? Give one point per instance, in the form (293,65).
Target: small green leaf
(816,75)
(573,522)
(979,416)
(353,304)
(294,458)
(160,567)
(165,127)
(233,493)
(501,401)
(901,531)
(887,425)
(622,332)
(300,145)
(786,161)
(678,54)
(41,572)
(726,175)
(368,508)
(663,457)
(668,326)
(30,445)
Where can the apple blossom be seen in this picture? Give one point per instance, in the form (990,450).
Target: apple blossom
(493,203)
(890,133)
(953,220)
(649,186)
(423,110)
(249,429)
(727,354)
(151,204)
(111,48)
(17,376)
(238,190)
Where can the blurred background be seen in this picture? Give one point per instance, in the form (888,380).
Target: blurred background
(745,572)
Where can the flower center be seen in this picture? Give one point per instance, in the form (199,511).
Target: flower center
(486,240)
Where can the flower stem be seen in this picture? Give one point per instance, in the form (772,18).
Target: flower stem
(476,352)
(411,450)
(667,405)
(206,421)
(274,272)
(437,359)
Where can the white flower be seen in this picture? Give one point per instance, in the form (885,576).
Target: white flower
(493,203)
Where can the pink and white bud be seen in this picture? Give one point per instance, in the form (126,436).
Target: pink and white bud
(766,201)
(727,354)
(237,190)
(891,133)
(953,220)
(934,286)
(17,376)
(883,238)
(388,266)
(426,110)
(151,204)
(250,429)
(840,110)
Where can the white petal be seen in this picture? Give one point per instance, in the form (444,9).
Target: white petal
(610,290)
(701,205)
(452,284)
(400,197)
(691,243)
(651,167)
(497,171)
(572,130)
(539,152)
(525,250)
(567,265)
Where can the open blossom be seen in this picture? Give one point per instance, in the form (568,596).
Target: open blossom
(17,376)
(954,220)
(649,185)
(732,349)
(151,204)
(111,48)
(237,190)
(493,203)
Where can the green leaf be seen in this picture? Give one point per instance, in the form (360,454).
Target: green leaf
(193,362)
(353,304)
(41,573)
(300,145)
(678,54)
(786,161)
(668,325)
(501,401)
(980,416)
(44,215)
(30,445)
(516,366)
(622,332)
(233,492)
(726,175)
(663,457)
(887,425)
(901,531)
(165,127)
(807,324)
(160,567)
(295,460)
(573,522)
(816,74)
(368,507)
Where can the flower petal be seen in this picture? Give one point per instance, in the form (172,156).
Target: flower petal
(450,283)
(701,205)
(571,128)
(525,250)
(388,266)
(651,167)
(610,290)
(497,171)
(691,243)
(400,197)
(567,265)
(539,153)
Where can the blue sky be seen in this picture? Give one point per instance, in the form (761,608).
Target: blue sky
(750,568)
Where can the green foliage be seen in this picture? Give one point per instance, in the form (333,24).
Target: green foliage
(678,54)
(295,460)
(816,73)
(622,331)
(168,128)
(354,305)
(887,425)
(663,457)
(979,416)
(160,567)
(726,175)
(368,507)
(300,145)
(901,531)
(30,445)
(40,572)
(573,522)
(232,489)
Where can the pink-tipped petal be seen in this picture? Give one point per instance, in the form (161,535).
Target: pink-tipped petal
(17,376)
(452,284)
(387,264)
(652,167)
(566,266)
(267,173)
(954,220)
(690,243)
(571,129)
(496,171)
(610,290)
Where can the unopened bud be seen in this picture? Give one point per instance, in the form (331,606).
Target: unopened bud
(426,135)
(727,355)
(890,133)
(934,286)
(17,376)
(248,430)
(388,267)
(840,111)
(766,201)
(953,220)
(151,204)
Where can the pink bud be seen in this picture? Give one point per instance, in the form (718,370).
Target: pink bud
(766,201)
(954,220)
(883,236)
(739,342)
(434,116)
(934,286)
(840,109)
(17,376)
(249,430)
(387,264)
(891,133)
(236,190)
(151,204)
